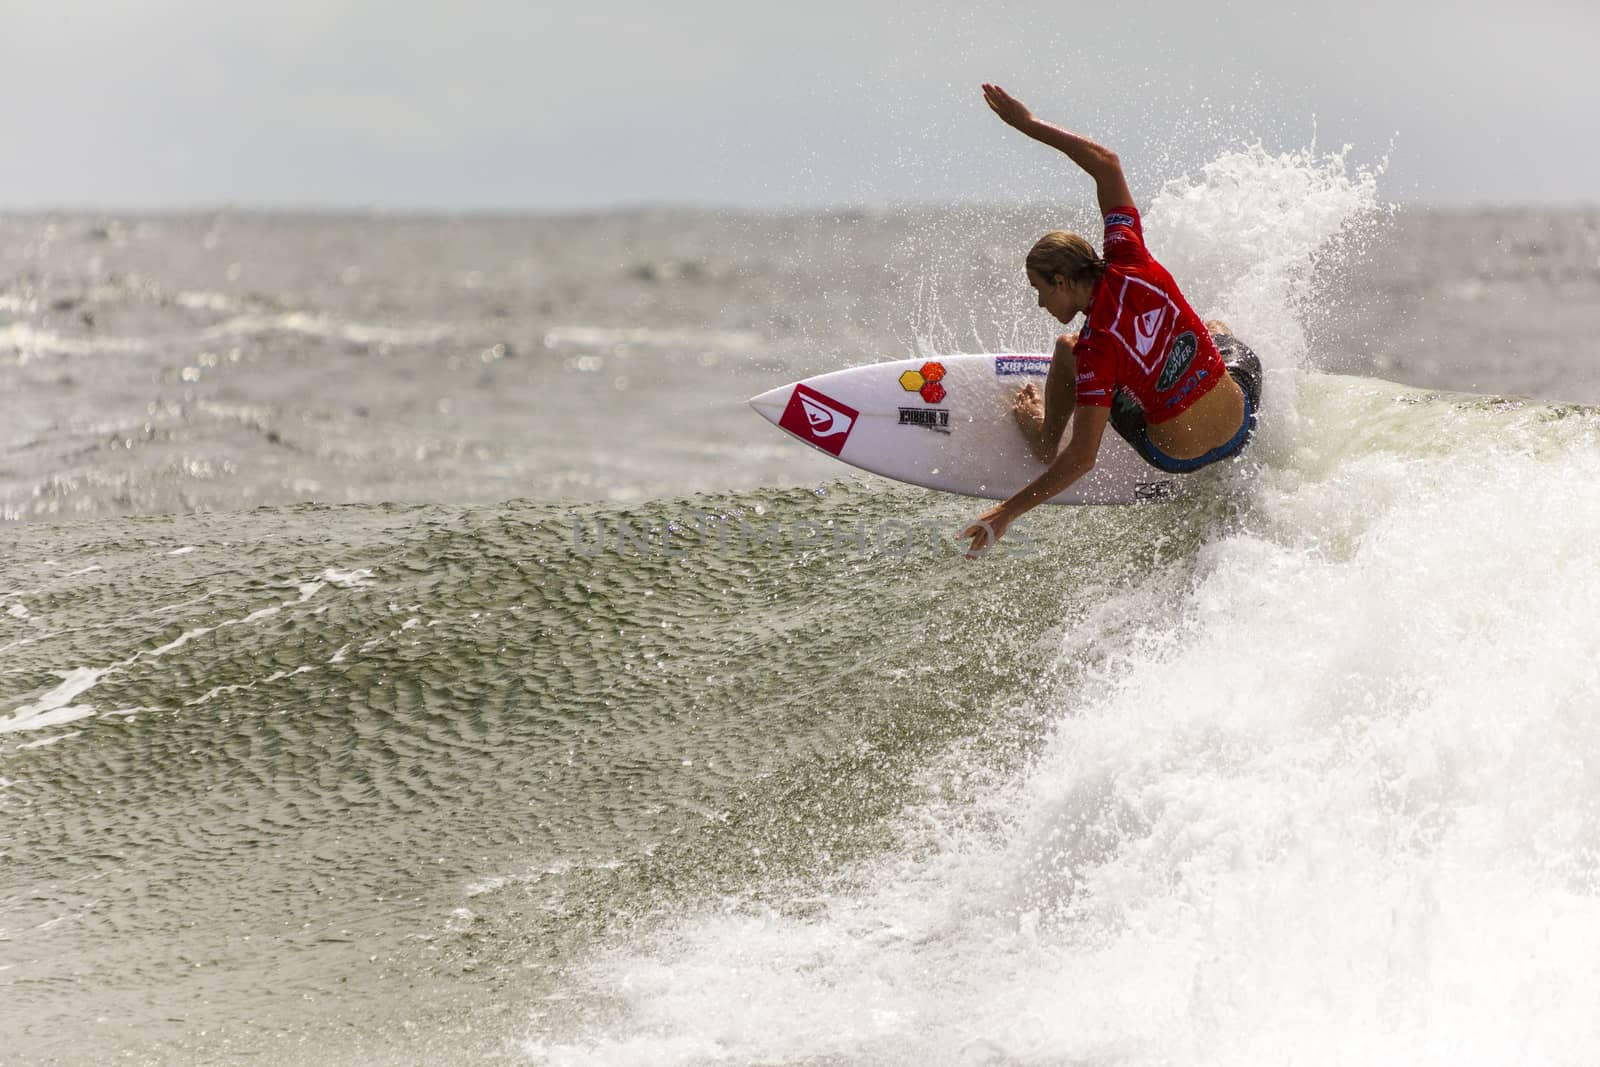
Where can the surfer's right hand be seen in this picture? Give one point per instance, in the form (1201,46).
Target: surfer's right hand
(986,529)
(1009,108)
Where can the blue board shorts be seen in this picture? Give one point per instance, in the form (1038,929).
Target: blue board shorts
(1244,366)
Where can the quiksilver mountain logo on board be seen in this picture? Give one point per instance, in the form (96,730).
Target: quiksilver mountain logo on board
(819,420)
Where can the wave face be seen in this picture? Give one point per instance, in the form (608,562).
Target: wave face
(1309,771)
(632,773)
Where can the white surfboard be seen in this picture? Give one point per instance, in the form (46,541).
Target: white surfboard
(946,424)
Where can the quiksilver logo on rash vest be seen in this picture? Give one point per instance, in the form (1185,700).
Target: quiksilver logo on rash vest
(1141,320)
(1147,328)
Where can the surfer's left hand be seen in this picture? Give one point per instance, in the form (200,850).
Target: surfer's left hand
(986,530)
(1011,110)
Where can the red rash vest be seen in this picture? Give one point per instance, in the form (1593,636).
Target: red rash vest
(1140,335)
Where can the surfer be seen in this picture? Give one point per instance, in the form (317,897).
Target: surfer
(1184,396)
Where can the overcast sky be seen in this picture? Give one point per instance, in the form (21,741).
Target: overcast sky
(587,103)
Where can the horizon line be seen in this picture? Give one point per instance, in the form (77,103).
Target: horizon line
(664,207)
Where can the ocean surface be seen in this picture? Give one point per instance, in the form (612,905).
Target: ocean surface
(413,650)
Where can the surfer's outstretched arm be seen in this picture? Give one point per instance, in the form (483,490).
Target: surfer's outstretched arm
(1098,161)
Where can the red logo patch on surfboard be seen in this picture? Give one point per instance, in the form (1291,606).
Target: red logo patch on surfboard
(821,420)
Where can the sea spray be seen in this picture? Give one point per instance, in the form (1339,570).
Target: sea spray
(1244,239)
(1250,239)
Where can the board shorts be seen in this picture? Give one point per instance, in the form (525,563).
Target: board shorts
(1244,366)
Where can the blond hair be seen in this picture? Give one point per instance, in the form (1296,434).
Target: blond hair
(1068,255)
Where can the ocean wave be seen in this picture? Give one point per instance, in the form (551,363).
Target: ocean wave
(1164,759)
(1312,772)
(31,343)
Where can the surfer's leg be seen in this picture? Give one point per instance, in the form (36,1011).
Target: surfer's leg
(1127,418)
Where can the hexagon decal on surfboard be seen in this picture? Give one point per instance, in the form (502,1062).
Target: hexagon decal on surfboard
(925,381)
(819,420)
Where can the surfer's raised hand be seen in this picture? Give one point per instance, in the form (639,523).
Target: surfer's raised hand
(1009,108)
(986,530)
(1098,161)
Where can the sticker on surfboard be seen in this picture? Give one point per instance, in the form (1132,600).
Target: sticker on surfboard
(1011,365)
(818,419)
(927,380)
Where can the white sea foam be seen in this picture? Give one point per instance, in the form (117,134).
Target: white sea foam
(201,300)
(359,578)
(55,707)
(1244,237)
(324,326)
(30,343)
(241,687)
(611,338)
(45,742)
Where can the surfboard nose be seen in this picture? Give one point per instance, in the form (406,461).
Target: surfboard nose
(770,404)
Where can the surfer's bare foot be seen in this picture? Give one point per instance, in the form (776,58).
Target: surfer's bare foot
(1028,408)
